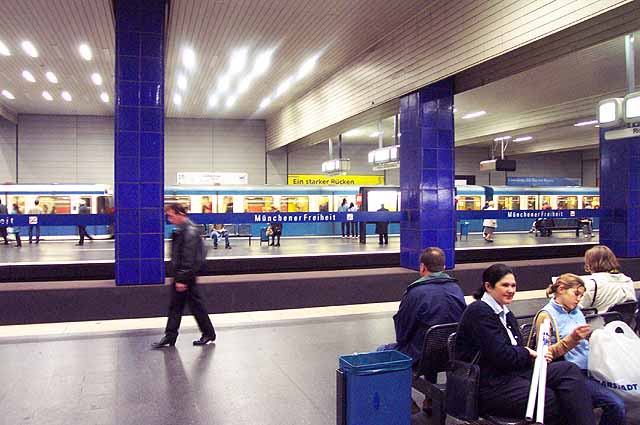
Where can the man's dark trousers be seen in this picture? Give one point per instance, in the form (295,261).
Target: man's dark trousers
(196,305)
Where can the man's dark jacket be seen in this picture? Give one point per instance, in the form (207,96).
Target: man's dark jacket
(186,252)
(431,300)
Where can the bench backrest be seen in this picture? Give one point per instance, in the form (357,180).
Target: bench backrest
(435,355)
(628,311)
(244,229)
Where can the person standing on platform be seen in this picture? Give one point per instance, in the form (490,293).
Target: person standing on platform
(3,229)
(36,210)
(276,229)
(82,229)
(489,224)
(188,254)
(343,208)
(354,224)
(382,229)
(15,210)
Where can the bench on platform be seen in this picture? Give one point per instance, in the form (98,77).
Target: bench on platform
(235,231)
(544,226)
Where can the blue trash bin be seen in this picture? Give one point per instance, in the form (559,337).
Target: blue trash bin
(464,230)
(377,388)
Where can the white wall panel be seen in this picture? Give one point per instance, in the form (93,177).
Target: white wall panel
(277,166)
(7,151)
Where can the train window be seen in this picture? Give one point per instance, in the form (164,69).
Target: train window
(185,200)
(546,199)
(19,200)
(258,203)
(508,202)
(105,205)
(567,202)
(225,204)
(377,198)
(323,204)
(87,202)
(532,202)
(55,204)
(590,202)
(469,203)
(294,204)
(206,205)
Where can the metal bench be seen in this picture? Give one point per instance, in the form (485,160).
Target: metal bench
(545,225)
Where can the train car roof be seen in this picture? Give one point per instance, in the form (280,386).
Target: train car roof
(264,190)
(565,190)
(52,189)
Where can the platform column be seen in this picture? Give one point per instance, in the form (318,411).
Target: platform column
(427,169)
(139,142)
(620,195)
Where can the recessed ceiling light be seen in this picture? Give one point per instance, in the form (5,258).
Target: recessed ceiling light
(473,115)
(188,58)
(47,95)
(8,94)
(85,52)
(51,77)
(374,134)
(238,60)
(182,82)
(66,96)
(30,49)
(307,66)
(231,100)
(523,139)
(4,50)
(223,83)
(283,87)
(177,99)
(502,139)
(262,63)
(244,84)
(351,133)
(213,101)
(28,76)
(96,78)
(265,102)
(583,123)
(104,97)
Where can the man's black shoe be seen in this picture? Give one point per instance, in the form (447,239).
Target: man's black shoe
(164,342)
(204,340)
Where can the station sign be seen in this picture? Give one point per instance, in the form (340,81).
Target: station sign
(212,179)
(625,133)
(322,180)
(542,181)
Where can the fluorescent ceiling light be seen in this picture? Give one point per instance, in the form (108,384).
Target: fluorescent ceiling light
(523,139)
(4,50)
(96,78)
(8,94)
(188,58)
(177,99)
(231,100)
(283,87)
(502,139)
(47,95)
(85,52)
(583,123)
(66,96)
(374,134)
(104,97)
(51,77)
(238,60)
(244,84)
(28,76)
(223,83)
(265,102)
(473,115)
(30,49)
(455,110)
(307,66)
(213,101)
(262,63)
(351,133)
(182,82)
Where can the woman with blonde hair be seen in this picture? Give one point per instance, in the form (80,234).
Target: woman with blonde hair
(606,286)
(569,333)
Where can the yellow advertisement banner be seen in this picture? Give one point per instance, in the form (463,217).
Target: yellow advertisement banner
(322,180)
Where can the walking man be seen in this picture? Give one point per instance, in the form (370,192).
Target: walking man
(82,229)
(187,256)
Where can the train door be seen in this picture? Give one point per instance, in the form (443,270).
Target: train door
(104,204)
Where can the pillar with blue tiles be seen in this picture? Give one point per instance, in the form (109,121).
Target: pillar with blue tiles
(139,142)
(427,169)
(620,195)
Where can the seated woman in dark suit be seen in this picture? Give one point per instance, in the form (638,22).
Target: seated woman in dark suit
(489,328)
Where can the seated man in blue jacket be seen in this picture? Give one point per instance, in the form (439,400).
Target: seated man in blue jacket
(434,299)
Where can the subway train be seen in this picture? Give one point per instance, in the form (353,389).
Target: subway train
(65,199)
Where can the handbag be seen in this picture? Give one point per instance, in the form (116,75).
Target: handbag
(463,383)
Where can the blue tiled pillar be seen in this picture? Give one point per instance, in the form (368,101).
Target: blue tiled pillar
(139,142)
(620,195)
(427,165)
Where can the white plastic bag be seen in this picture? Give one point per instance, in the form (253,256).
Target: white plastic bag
(614,361)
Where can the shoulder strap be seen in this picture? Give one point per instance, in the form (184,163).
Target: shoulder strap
(595,292)
(534,331)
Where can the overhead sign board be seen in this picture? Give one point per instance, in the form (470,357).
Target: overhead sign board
(321,180)
(215,179)
(543,181)
(622,134)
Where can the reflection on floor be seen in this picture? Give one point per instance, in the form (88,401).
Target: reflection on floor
(60,252)
(266,368)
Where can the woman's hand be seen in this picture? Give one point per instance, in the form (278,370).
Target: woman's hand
(581,332)
(532,353)
(548,356)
